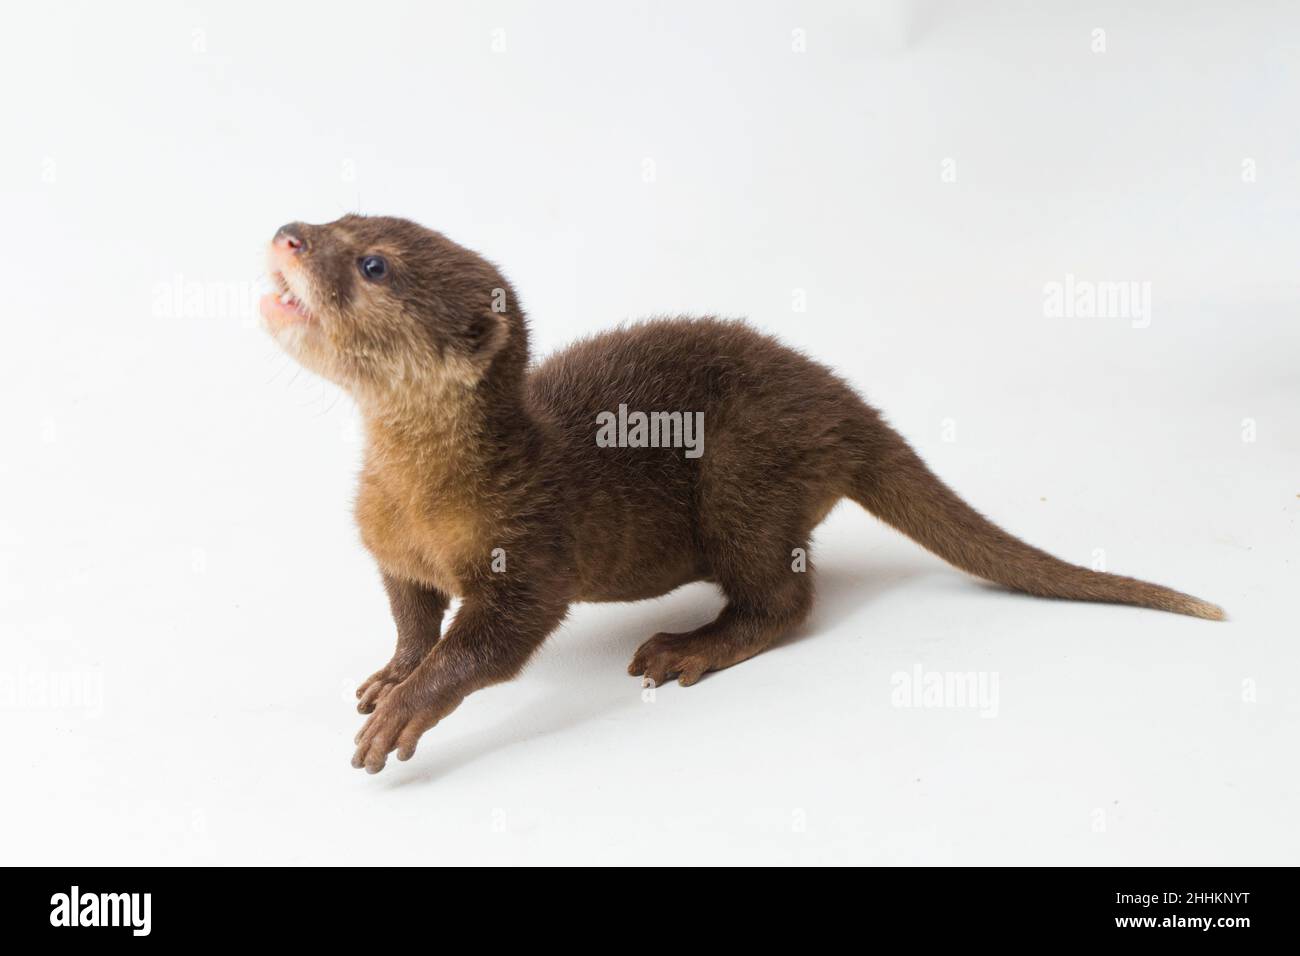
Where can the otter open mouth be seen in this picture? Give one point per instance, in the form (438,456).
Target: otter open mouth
(281,304)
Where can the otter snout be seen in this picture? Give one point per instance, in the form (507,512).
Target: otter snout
(285,303)
(290,238)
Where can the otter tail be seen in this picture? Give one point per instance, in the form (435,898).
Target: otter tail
(898,487)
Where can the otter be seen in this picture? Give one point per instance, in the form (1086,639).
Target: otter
(484,479)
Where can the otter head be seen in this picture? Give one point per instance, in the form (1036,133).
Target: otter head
(389,309)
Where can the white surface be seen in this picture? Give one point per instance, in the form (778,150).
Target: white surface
(176,533)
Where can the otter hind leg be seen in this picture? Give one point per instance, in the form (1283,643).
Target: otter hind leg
(764,603)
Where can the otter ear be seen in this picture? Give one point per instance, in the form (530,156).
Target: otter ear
(486,336)
(469,351)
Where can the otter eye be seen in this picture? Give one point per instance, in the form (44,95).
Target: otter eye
(374,268)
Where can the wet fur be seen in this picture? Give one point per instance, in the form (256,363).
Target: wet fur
(472,456)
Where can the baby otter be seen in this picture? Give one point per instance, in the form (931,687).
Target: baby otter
(484,478)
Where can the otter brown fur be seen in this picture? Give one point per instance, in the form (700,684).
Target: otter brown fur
(483,479)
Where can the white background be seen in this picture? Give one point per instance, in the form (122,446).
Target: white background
(176,543)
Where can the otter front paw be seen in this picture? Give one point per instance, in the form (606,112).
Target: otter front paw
(397,724)
(377,685)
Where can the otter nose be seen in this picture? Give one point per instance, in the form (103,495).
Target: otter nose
(291,237)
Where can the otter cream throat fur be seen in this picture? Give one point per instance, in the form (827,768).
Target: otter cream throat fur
(634,462)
